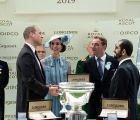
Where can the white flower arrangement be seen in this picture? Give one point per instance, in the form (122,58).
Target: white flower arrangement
(107,65)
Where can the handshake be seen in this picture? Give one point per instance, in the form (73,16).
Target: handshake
(53,90)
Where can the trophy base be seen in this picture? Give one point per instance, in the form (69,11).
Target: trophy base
(76,115)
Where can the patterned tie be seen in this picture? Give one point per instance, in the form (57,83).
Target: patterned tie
(100,67)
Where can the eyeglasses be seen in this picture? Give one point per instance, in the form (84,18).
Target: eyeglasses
(40,51)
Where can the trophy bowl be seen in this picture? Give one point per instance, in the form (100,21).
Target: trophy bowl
(76,94)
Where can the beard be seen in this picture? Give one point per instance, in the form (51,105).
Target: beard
(118,55)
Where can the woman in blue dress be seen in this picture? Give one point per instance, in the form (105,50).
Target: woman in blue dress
(56,67)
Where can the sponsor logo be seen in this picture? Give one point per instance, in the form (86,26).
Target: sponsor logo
(126,22)
(11,87)
(94,33)
(72,58)
(12,74)
(9,33)
(129,32)
(10,102)
(8,57)
(72,71)
(39,107)
(126,33)
(5,23)
(69,48)
(65,32)
(43,33)
(7,46)
(115,106)
(79,80)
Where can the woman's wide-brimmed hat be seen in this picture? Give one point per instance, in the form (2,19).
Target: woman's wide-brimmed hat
(65,39)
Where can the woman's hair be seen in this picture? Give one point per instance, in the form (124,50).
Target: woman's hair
(63,46)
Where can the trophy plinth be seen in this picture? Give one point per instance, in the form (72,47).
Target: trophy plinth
(76,94)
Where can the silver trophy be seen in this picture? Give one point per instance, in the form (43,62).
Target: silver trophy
(76,94)
(63,103)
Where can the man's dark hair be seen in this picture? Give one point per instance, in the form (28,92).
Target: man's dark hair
(102,39)
(127,45)
(28,30)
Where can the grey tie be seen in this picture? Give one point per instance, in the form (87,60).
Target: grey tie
(100,67)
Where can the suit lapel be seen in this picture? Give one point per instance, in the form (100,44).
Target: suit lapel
(105,70)
(93,67)
(40,70)
(40,67)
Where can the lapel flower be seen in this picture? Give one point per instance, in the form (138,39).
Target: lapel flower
(107,65)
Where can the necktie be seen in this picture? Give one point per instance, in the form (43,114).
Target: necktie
(36,54)
(37,59)
(100,67)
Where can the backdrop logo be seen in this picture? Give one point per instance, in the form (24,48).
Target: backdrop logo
(72,58)
(9,33)
(94,33)
(126,22)
(5,23)
(126,33)
(43,33)
(10,102)
(72,71)
(7,46)
(8,57)
(65,32)
(69,48)
(12,74)
(11,87)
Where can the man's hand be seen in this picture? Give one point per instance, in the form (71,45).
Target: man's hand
(54,91)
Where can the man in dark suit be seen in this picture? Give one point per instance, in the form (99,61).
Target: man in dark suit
(102,77)
(4,79)
(125,82)
(31,84)
(79,67)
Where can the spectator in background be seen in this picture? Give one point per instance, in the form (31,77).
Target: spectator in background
(4,79)
(101,68)
(125,83)
(56,67)
(40,51)
(79,67)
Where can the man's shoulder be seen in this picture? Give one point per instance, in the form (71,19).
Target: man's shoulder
(111,58)
(2,62)
(84,59)
(113,61)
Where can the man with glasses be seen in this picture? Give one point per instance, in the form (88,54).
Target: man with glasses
(40,52)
